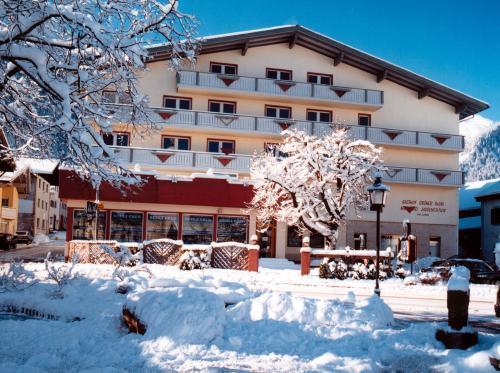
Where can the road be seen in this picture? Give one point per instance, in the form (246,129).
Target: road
(33,253)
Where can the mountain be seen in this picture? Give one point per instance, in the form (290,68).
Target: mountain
(481,158)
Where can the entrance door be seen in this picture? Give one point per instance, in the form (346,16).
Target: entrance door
(267,240)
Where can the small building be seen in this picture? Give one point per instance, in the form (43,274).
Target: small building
(8,192)
(479,223)
(57,210)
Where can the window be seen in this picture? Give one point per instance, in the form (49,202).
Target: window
(111,97)
(43,223)
(359,241)
(162,225)
(38,222)
(435,246)
(495,216)
(294,239)
(39,183)
(83,227)
(281,112)
(223,68)
(279,74)
(315,78)
(221,146)
(50,220)
(5,202)
(364,119)
(126,226)
(38,202)
(116,139)
(172,102)
(176,142)
(319,116)
(225,107)
(232,228)
(197,229)
(389,240)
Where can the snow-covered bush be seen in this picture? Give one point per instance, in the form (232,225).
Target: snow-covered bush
(14,277)
(194,260)
(339,270)
(402,272)
(411,280)
(60,273)
(124,259)
(324,269)
(429,278)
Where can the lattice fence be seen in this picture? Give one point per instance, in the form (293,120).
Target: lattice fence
(162,251)
(92,251)
(230,256)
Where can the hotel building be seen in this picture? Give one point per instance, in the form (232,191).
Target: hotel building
(243,91)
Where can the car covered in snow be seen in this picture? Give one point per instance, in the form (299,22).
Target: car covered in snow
(24,237)
(480,271)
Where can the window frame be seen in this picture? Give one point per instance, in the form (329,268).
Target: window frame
(357,240)
(179,218)
(216,225)
(126,211)
(221,141)
(318,111)
(279,71)
(114,134)
(213,216)
(266,106)
(369,116)
(311,73)
(224,64)
(177,98)
(222,102)
(177,137)
(4,203)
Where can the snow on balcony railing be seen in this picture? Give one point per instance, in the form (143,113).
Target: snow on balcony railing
(281,88)
(248,123)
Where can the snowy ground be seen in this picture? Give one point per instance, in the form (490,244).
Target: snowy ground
(37,251)
(221,319)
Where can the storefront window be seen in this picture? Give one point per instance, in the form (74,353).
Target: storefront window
(162,226)
(197,229)
(388,240)
(232,228)
(83,228)
(126,226)
(294,239)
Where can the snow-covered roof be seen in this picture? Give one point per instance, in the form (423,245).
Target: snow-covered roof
(38,166)
(9,177)
(490,190)
(469,222)
(470,190)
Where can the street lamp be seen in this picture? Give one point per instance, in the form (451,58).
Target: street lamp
(378,194)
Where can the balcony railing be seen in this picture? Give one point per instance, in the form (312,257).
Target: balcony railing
(240,163)
(8,213)
(284,88)
(274,126)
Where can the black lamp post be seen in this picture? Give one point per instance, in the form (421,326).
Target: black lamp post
(378,194)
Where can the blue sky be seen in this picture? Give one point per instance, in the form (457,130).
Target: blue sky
(454,42)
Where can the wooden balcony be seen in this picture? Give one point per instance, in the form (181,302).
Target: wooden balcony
(264,126)
(240,163)
(242,85)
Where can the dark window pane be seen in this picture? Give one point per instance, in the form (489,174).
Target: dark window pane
(107,138)
(285,75)
(122,140)
(216,68)
(184,104)
(271,112)
(232,228)
(126,226)
(324,117)
(311,115)
(215,107)
(170,103)
(213,146)
(272,74)
(228,108)
(197,229)
(231,70)
(228,146)
(168,142)
(364,120)
(183,144)
(312,78)
(285,113)
(326,80)
(317,241)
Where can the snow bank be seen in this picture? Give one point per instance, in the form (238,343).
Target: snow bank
(41,238)
(459,279)
(184,315)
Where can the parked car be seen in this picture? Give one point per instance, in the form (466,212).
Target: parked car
(480,271)
(24,237)
(7,241)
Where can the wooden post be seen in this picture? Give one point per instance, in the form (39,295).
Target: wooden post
(305,257)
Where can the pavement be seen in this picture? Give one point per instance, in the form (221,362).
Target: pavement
(33,252)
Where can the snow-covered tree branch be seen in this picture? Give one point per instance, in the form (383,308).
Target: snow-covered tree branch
(58,60)
(312,182)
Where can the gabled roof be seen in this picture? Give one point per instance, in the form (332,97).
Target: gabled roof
(470,193)
(465,105)
(492,191)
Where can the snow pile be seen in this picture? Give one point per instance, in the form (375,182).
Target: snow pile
(371,313)
(184,315)
(459,280)
(41,238)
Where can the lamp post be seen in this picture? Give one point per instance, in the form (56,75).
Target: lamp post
(378,195)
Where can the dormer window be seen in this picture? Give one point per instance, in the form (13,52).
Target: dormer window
(316,78)
(278,74)
(223,107)
(223,68)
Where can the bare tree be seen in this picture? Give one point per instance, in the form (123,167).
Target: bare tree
(58,59)
(311,182)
